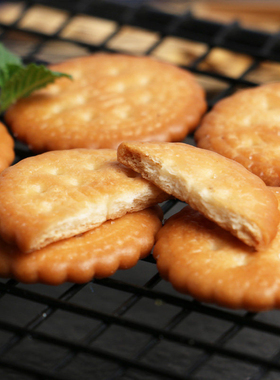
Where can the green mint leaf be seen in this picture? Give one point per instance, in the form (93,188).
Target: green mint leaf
(7,72)
(8,58)
(23,81)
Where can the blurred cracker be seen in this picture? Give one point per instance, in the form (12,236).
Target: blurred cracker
(225,62)
(261,15)
(20,43)
(43,19)
(58,51)
(91,30)
(133,40)
(179,51)
(10,12)
(266,72)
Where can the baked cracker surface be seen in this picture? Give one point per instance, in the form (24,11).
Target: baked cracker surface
(245,127)
(112,98)
(60,194)
(7,154)
(202,259)
(221,189)
(116,244)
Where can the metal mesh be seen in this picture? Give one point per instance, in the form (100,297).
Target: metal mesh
(134,325)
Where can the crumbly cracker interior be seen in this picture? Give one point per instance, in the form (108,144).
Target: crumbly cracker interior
(63,193)
(221,189)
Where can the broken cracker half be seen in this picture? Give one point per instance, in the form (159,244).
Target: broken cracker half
(98,253)
(60,194)
(221,189)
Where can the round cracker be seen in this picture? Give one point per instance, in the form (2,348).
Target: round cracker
(201,259)
(98,253)
(7,154)
(111,99)
(63,193)
(246,127)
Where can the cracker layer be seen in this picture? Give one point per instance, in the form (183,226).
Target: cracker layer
(201,259)
(221,189)
(116,244)
(60,194)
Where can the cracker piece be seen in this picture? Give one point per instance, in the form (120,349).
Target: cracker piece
(98,253)
(246,127)
(113,98)
(60,194)
(202,259)
(221,189)
(7,154)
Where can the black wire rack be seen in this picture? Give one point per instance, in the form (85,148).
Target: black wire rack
(134,325)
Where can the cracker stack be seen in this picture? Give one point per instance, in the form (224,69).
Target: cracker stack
(65,211)
(52,200)
(211,184)
(71,215)
(196,255)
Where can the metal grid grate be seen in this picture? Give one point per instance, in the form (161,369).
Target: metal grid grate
(133,325)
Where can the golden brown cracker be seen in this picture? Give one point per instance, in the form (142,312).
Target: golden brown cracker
(112,98)
(221,189)
(246,128)
(60,194)
(7,154)
(202,259)
(116,244)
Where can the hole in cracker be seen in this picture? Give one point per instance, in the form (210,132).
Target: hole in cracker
(120,87)
(56,109)
(122,111)
(73,181)
(145,98)
(54,89)
(113,71)
(36,188)
(143,81)
(59,172)
(80,99)
(242,259)
(87,116)
(46,206)
(88,166)
(53,171)
(77,74)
